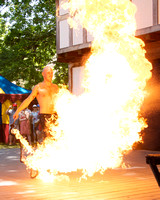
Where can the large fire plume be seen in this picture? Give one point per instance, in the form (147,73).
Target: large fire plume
(95,128)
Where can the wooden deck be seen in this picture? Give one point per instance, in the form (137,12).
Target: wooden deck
(133,183)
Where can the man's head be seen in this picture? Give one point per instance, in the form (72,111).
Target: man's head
(34,107)
(14,106)
(47,73)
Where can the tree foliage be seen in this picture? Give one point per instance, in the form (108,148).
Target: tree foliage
(28,41)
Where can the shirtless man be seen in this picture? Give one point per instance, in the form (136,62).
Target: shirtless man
(45,92)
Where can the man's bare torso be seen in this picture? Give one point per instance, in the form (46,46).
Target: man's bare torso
(46,97)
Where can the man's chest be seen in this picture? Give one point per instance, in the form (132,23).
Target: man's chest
(46,91)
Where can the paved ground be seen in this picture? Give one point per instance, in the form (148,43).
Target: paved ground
(134,183)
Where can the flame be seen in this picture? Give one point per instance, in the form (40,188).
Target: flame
(24,142)
(95,128)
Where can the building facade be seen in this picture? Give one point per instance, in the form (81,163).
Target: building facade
(72,46)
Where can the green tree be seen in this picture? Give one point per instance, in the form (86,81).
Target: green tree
(28,42)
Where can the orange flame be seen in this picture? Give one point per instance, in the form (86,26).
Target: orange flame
(24,142)
(95,128)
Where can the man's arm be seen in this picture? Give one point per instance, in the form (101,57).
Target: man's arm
(56,88)
(26,102)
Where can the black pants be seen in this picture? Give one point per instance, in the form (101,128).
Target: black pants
(44,120)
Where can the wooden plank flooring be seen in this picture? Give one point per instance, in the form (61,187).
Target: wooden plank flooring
(134,183)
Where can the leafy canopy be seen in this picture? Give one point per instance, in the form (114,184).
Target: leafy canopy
(28,41)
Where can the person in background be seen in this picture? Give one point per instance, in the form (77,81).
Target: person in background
(38,108)
(11,111)
(38,125)
(25,128)
(34,117)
